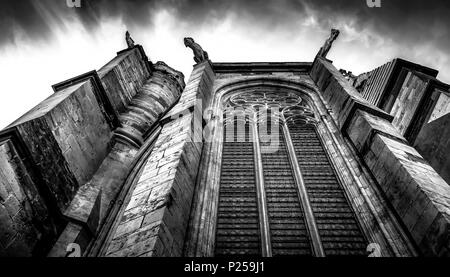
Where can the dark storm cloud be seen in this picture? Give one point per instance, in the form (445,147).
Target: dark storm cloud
(26,15)
(32,16)
(406,22)
(23,14)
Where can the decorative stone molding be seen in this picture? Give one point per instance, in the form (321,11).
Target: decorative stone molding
(156,96)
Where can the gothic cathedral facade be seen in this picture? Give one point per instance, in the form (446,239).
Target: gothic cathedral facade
(262,159)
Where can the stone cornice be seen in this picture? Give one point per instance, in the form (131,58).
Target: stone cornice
(262,67)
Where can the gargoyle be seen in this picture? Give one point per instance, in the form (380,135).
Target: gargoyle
(199,54)
(328,43)
(129,40)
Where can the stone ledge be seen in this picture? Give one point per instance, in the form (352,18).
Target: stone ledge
(85,207)
(364,126)
(341,97)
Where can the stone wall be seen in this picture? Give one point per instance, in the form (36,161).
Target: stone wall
(408,100)
(442,106)
(99,196)
(124,76)
(156,213)
(154,220)
(378,221)
(376,84)
(419,196)
(64,140)
(383,83)
(432,105)
(75,154)
(342,98)
(420,99)
(25,225)
(433,142)
(68,137)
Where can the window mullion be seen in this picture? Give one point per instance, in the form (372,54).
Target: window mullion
(306,204)
(266,245)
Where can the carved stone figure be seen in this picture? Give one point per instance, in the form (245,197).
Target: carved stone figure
(199,54)
(328,43)
(129,40)
(348,75)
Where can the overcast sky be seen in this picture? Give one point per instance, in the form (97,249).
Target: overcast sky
(44,42)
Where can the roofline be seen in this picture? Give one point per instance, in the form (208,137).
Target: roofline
(261,67)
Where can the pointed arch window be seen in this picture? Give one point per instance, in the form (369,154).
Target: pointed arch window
(278,193)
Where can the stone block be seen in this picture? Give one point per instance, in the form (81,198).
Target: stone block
(177,160)
(12,205)
(73,233)
(118,245)
(364,126)
(146,184)
(67,136)
(128,227)
(436,240)
(6,227)
(423,203)
(138,199)
(154,216)
(123,76)
(199,87)
(25,226)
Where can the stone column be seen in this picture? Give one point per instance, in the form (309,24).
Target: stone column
(266,245)
(141,98)
(202,224)
(156,214)
(310,220)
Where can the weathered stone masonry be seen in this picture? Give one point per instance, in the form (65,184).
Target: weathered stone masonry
(127,161)
(155,219)
(25,222)
(418,194)
(67,158)
(233,78)
(146,101)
